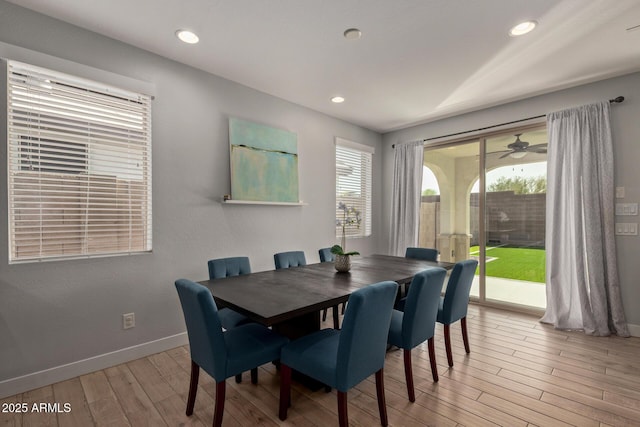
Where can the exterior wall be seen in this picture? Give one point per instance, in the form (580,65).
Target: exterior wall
(513,219)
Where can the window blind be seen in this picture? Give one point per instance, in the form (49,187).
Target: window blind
(79,167)
(353,188)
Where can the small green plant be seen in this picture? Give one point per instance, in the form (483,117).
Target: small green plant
(337,250)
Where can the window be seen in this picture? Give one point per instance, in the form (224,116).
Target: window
(353,188)
(79,167)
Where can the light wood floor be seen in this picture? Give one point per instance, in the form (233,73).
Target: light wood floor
(519,373)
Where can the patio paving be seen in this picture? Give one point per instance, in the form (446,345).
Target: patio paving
(520,292)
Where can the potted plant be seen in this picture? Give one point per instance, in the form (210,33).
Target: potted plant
(350,217)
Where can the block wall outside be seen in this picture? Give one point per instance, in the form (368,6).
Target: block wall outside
(512,219)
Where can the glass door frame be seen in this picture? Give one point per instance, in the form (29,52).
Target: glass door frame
(481,139)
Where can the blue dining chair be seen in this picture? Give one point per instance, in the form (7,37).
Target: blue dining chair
(289,259)
(327,256)
(227,267)
(221,354)
(426,254)
(418,321)
(342,359)
(454,304)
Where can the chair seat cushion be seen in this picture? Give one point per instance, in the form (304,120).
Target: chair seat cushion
(395,329)
(314,355)
(251,345)
(229,319)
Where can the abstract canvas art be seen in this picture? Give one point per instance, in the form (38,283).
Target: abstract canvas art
(264,162)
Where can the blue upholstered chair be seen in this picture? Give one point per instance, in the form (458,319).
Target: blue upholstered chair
(289,259)
(221,354)
(418,321)
(426,254)
(454,304)
(327,256)
(342,359)
(227,267)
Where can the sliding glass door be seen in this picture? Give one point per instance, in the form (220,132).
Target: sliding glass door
(485,198)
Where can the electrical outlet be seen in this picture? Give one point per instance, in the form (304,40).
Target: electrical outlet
(128,320)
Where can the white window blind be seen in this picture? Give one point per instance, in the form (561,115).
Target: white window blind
(79,167)
(353,188)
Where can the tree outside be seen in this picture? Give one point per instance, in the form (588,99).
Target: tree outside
(519,184)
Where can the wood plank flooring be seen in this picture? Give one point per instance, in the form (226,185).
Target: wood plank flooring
(519,373)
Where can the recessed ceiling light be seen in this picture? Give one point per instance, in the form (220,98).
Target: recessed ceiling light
(352,34)
(522,28)
(337,99)
(187,36)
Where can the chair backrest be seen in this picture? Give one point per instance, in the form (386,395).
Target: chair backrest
(227,267)
(289,259)
(456,297)
(363,337)
(426,254)
(206,339)
(326,255)
(421,306)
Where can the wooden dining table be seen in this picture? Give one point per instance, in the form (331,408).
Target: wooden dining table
(290,300)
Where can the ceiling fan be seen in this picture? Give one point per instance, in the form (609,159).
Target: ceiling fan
(518,149)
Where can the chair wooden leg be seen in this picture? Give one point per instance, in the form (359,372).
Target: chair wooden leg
(324,314)
(254,376)
(193,387)
(432,359)
(382,404)
(408,375)
(465,336)
(336,318)
(239,378)
(447,343)
(343,417)
(343,307)
(285,390)
(221,388)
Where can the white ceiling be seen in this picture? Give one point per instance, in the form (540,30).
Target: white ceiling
(417,60)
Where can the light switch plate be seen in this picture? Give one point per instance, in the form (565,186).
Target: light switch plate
(619,192)
(626,209)
(626,229)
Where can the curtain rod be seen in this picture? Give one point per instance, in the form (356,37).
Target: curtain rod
(615,100)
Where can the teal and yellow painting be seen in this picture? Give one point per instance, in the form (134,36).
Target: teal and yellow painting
(264,162)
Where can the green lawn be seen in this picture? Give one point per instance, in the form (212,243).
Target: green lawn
(514,263)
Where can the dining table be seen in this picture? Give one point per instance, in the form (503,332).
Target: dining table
(290,300)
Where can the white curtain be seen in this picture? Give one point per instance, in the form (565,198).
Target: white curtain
(407,193)
(583,291)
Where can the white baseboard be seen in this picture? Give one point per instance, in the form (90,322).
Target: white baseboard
(634,330)
(39,379)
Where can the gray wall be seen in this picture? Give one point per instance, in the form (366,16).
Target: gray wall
(55,313)
(626,136)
